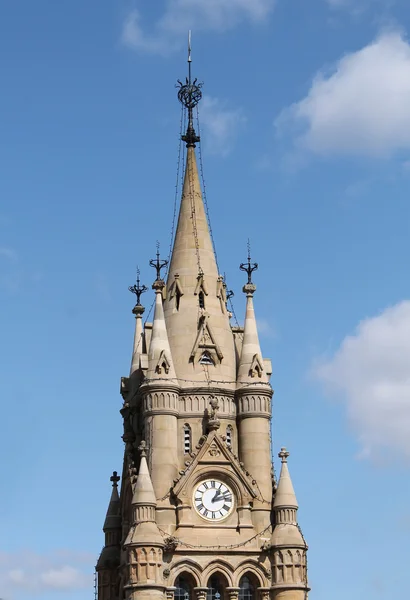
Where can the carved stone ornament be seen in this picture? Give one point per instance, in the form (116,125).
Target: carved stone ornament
(170,543)
(214,450)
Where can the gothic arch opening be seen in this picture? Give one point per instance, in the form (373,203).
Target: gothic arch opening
(184,585)
(217,585)
(247,587)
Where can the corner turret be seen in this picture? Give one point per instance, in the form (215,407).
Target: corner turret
(144,543)
(109,559)
(288,545)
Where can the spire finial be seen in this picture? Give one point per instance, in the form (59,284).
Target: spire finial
(143,448)
(115,479)
(138,290)
(283,455)
(158,265)
(249,268)
(189,94)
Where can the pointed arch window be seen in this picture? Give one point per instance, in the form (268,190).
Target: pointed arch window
(216,587)
(201,299)
(246,588)
(229,435)
(183,587)
(187,439)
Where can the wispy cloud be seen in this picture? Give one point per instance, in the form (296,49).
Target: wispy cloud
(362,107)
(168,32)
(370,372)
(265,328)
(37,573)
(221,125)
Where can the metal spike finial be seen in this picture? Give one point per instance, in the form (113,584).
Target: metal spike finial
(249,267)
(138,289)
(189,94)
(158,264)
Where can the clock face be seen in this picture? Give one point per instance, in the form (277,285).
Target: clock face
(213,500)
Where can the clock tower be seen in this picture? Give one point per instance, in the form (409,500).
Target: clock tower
(199,515)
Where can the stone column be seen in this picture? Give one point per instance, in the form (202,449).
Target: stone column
(263,593)
(170,592)
(201,593)
(233,593)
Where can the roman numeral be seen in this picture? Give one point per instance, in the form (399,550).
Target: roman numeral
(205,513)
(213,515)
(213,484)
(225,507)
(200,507)
(205,485)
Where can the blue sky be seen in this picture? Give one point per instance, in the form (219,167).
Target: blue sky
(306,148)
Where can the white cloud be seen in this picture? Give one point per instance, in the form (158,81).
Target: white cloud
(41,572)
(169,32)
(371,371)
(361,108)
(265,328)
(220,124)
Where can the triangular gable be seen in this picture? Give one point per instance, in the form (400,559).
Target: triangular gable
(201,285)
(163,363)
(205,339)
(214,450)
(175,288)
(256,367)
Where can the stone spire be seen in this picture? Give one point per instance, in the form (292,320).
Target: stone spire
(285,496)
(288,546)
(251,366)
(110,556)
(138,311)
(113,516)
(195,312)
(144,529)
(160,363)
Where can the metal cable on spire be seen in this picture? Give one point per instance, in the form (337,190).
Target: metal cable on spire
(189,94)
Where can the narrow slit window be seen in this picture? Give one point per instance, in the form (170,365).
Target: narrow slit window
(201,299)
(177,299)
(229,433)
(187,439)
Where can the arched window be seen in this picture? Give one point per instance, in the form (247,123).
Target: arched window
(216,587)
(201,299)
(246,588)
(184,587)
(229,435)
(187,439)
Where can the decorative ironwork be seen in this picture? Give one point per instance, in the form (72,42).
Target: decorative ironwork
(138,289)
(158,264)
(249,267)
(189,94)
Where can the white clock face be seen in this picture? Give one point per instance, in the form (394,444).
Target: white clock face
(213,500)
